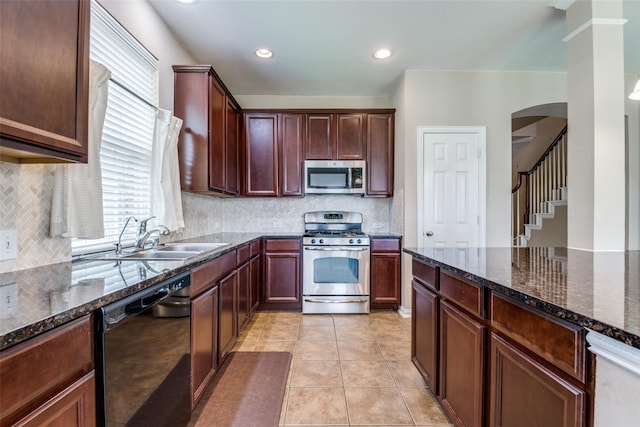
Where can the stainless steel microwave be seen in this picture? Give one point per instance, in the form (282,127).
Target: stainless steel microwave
(334,176)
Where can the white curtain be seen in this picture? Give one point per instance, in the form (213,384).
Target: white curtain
(76,205)
(166,199)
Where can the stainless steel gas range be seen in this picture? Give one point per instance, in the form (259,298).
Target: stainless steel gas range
(335,263)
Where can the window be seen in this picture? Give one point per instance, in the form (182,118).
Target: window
(125,153)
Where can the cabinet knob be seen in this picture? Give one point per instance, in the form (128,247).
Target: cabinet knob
(428,233)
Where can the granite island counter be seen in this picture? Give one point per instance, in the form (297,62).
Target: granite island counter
(539,321)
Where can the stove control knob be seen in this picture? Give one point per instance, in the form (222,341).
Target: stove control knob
(351,241)
(321,241)
(313,240)
(359,240)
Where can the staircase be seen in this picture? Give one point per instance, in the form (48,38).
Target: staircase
(540,199)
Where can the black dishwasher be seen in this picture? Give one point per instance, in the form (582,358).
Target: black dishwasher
(143,358)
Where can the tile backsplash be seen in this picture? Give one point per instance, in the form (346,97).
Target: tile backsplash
(25,196)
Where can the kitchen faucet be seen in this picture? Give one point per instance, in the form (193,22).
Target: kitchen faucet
(119,243)
(143,234)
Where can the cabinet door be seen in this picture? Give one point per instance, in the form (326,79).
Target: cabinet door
(190,103)
(526,394)
(244,280)
(320,138)
(385,278)
(282,277)
(227,326)
(261,159)
(254,273)
(75,406)
(217,141)
(204,342)
(380,154)
(424,329)
(232,147)
(349,139)
(461,366)
(291,149)
(44,70)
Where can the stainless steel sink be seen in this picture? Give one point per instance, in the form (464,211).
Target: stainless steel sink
(161,255)
(190,247)
(166,252)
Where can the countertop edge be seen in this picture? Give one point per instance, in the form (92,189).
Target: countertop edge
(549,308)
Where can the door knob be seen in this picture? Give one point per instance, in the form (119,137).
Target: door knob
(429,233)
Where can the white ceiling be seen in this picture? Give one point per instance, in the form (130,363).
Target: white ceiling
(325,47)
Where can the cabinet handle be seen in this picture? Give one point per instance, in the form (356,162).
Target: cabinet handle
(429,233)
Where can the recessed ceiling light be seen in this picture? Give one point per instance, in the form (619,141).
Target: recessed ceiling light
(264,53)
(382,54)
(186,1)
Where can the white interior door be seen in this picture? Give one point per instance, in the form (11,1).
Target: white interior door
(451,186)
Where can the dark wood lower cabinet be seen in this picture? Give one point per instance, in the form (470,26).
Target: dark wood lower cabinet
(74,406)
(227,329)
(385,273)
(461,366)
(282,270)
(204,342)
(424,324)
(524,393)
(244,308)
(254,286)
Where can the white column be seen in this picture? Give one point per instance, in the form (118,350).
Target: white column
(596,99)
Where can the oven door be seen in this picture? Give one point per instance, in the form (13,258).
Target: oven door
(335,270)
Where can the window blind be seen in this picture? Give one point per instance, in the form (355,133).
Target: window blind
(125,153)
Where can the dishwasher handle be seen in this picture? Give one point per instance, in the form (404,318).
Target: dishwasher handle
(145,302)
(110,316)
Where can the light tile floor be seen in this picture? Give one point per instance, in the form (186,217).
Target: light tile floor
(347,370)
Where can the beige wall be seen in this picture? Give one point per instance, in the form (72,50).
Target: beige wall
(449,98)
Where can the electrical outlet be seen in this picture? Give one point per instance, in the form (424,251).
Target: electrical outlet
(377,225)
(8,243)
(277,224)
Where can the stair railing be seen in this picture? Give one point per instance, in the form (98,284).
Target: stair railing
(542,183)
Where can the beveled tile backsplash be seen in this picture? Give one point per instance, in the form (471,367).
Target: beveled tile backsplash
(25,197)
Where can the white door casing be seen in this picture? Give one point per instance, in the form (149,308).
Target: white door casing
(451,186)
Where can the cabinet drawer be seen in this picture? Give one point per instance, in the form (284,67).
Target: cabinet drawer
(244,253)
(465,294)
(426,274)
(559,342)
(283,245)
(385,245)
(255,248)
(203,277)
(43,366)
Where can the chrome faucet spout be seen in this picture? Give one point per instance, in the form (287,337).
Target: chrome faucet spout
(118,244)
(141,241)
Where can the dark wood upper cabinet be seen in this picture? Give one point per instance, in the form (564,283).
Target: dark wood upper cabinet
(261,154)
(335,136)
(276,143)
(208,147)
(349,139)
(273,156)
(44,81)
(291,154)
(380,146)
(320,137)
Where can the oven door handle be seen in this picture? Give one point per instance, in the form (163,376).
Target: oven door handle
(336,248)
(328,301)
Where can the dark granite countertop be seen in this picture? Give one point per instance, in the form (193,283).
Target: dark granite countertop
(599,291)
(36,300)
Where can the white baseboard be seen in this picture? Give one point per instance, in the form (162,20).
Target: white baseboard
(404,312)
